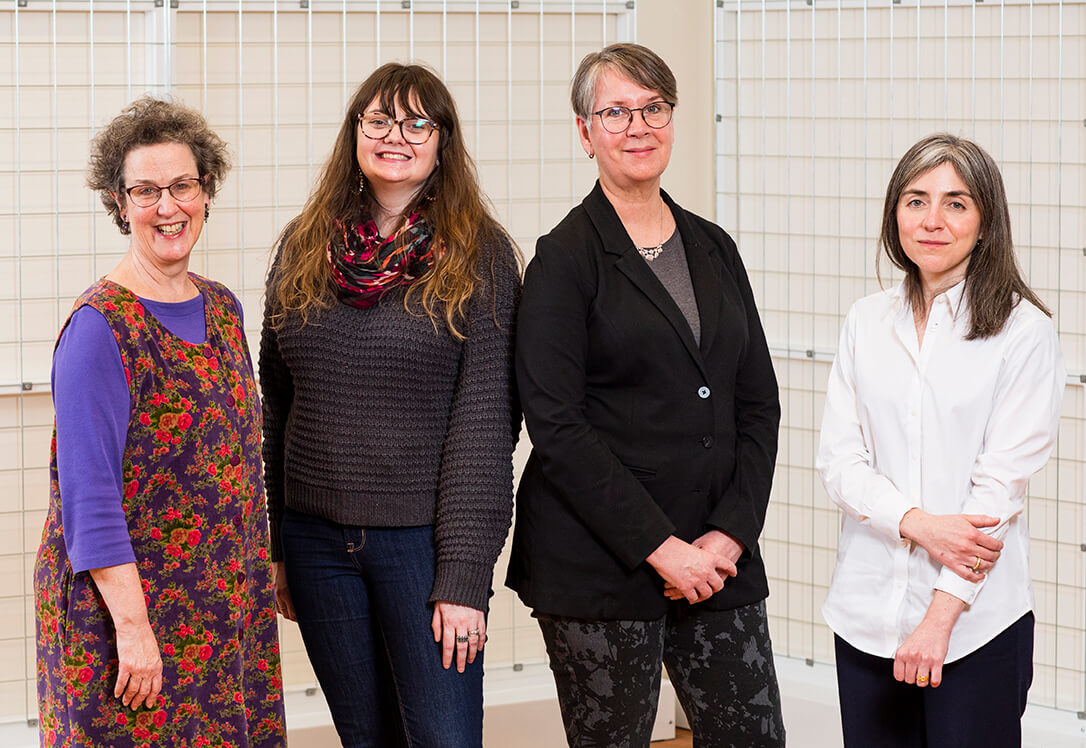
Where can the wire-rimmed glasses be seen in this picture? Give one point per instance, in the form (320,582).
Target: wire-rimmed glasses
(617,119)
(183,191)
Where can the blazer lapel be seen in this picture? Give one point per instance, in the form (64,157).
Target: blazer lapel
(628,262)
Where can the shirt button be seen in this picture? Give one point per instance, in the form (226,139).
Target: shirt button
(707,441)
(703,392)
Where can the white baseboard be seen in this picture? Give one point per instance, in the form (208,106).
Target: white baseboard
(521,709)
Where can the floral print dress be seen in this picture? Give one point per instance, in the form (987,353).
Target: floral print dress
(194,505)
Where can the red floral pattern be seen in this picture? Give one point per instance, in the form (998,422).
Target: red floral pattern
(193,496)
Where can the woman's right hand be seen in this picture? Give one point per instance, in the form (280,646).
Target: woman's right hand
(694,573)
(954,540)
(139,673)
(283,603)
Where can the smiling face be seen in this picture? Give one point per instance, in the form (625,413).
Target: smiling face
(393,167)
(631,160)
(164,233)
(938,224)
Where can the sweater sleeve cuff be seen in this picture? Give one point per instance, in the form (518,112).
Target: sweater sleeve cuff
(463,583)
(274,524)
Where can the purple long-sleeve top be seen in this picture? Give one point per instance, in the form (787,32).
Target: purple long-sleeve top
(93,405)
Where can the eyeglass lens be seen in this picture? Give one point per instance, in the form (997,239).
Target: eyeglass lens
(617,119)
(415,130)
(183,190)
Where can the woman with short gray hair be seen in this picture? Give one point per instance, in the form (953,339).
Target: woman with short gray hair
(652,407)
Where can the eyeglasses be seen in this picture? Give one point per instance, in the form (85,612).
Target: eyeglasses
(183,191)
(415,130)
(617,119)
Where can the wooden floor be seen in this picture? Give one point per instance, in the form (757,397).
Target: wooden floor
(683,739)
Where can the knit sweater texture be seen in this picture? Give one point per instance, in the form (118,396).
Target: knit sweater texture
(381,418)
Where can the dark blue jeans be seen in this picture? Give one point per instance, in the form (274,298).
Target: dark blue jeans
(362,599)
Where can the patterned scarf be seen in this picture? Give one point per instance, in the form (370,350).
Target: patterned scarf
(366,267)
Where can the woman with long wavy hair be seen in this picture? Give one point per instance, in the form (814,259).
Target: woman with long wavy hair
(385,367)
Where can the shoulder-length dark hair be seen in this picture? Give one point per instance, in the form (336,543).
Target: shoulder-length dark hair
(450,199)
(993,281)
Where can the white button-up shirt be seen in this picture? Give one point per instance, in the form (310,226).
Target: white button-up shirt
(954,427)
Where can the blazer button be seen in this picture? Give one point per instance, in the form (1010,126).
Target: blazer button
(707,441)
(703,392)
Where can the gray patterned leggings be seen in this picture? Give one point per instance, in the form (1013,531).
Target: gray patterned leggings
(720,662)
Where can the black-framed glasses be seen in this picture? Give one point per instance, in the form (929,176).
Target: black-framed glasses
(415,130)
(183,191)
(617,119)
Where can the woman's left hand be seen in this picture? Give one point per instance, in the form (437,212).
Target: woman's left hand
(460,629)
(919,660)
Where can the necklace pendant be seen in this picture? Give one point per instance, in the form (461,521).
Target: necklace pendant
(651,253)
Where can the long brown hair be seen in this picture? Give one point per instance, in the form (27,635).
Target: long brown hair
(450,199)
(993,281)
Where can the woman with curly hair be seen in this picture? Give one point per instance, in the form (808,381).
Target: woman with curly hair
(385,368)
(155,621)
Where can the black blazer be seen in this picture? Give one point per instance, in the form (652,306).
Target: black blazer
(637,432)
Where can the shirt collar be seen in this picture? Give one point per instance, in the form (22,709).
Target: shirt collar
(952,298)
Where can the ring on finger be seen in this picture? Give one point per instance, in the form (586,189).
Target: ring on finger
(473,632)
(921,680)
(462,639)
(976,566)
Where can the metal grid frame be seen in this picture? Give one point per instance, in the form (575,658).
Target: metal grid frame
(260,70)
(816,100)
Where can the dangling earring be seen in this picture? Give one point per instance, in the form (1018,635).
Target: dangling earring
(361,181)
(207,211)
(124,224)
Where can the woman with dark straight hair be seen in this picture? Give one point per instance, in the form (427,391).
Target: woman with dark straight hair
(943,400)
(386,363)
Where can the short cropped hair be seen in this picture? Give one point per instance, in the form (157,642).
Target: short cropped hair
(640,64)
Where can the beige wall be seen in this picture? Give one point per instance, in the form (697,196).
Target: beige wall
(681,32)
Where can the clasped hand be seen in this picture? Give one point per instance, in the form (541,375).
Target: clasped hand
(695,571)
(954,540)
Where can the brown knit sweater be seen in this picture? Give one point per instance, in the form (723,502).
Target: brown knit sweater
(374,418)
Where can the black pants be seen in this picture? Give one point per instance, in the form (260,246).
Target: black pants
(979,703)
(720,662)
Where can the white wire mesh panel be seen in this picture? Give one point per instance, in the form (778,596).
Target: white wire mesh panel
(816,102)
(273,79)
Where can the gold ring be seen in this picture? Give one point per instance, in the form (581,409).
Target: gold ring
(976,566)
(473,632)
(921,679)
